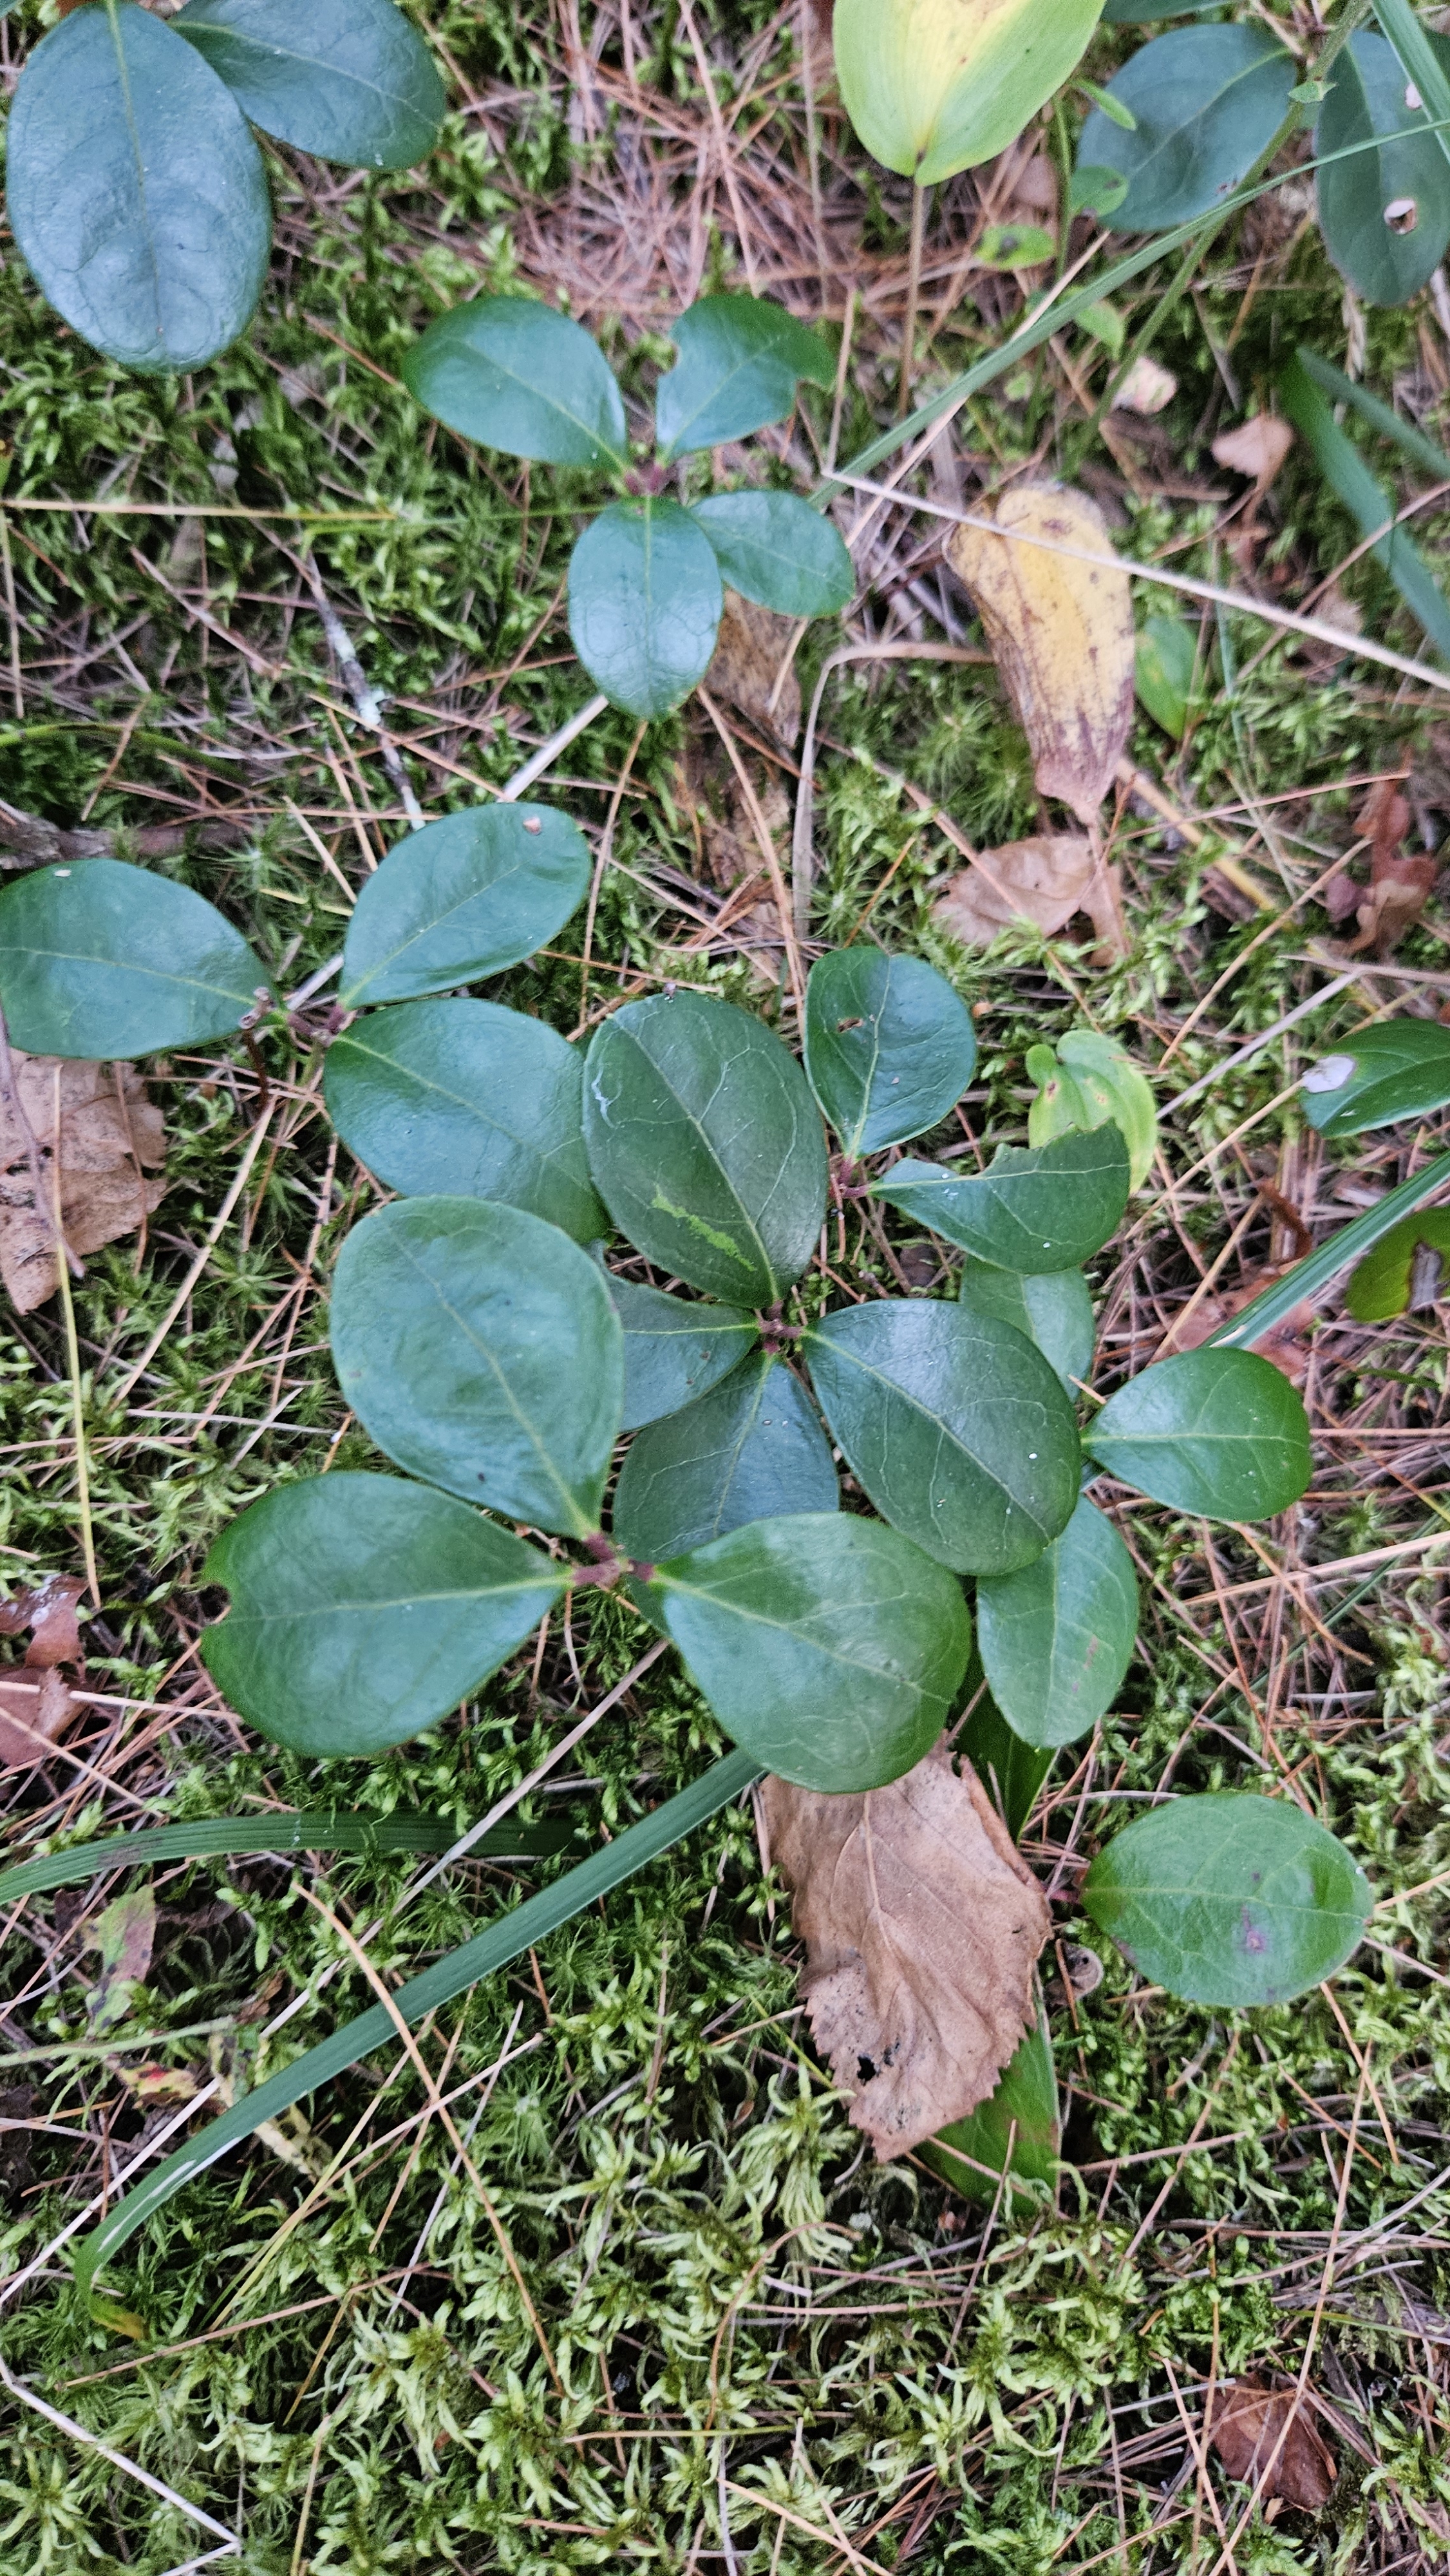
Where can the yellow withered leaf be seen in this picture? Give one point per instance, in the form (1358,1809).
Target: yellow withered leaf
(935,86)
(1061,632)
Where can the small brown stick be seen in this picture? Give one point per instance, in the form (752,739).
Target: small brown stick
(768,852)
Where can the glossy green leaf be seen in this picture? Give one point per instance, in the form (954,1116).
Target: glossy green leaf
(1035,1208)
(516,375)
(1214,1431)
(1206,101)
(705,1145)
(1315,1272)
(464,898)
(467,1100)
(675,1348)
(889,1047)
(1385,212)
(645,600)
(1054,1310)
(1056,1638)
(1164,665)
(1229,1899)
(828,1647)
(1384,1283)
(1364,497)
(350,80)
(750,1450)
(479,1349)
(741,358)
(1022,2118)
(1010,1771)
(101,959)
(1397,1069)
(136,192)
(278,1830)
(1087,1080)
(935,86)
(954,1424)
(364,1608)
(774,548)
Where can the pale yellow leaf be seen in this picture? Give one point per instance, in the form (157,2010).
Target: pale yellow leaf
(1146,388)
(1259,448)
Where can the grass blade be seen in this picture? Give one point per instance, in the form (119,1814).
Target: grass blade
(292,1830)
(1342,389)
(1348,476)
(1418,61)
(1317,1268)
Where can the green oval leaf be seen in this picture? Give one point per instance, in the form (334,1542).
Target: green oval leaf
(828,1647)
(1229,1899)
(889,1047)
(1206,101)
(467,1100)
(101,959)
(955,1426)
(478,1347)
(1382,1285)
(364,1608)
(1385,213)
(1056,1638)
(773,547)
(644,604)
(1213,1431)
(741,358)
(350,80)
(751,1450)
(935,86)
(518,376)
(1035,1208)
(1401,1069)
(674,1350)
(1054,1310)
(1018,2130)
(705,1145)
(1164,664)
(137,195)
(464,898)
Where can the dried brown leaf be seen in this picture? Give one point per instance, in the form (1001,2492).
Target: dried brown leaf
(35,1710)
(48,1609)
(921,1926)
(1258,448)
(110,1137)
(749,650)
(1248,2418)
(1045,879)
(1285,1345)
(1146,388)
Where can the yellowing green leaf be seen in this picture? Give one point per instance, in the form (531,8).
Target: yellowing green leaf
(935,86)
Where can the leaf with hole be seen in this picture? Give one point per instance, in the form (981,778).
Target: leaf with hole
(1219,1432)
(102,959)
(1054,1310)
(467,1100)
(518,376)
(936,86)
(1398,1069)
(1385,211)
(1088,1080)
(750,1450)
(462,899)
(1057,1637)
(350,80)
(1035,1208)
(1229,1899)
(954,1424)
(479,1349)
(1206,101)
(889,1047)
(705,1145)
(136,192)
(645,598)
(1018,2131)
(1404,1270)
(364,1608)
(741,358)
(775,549)
(675,1349)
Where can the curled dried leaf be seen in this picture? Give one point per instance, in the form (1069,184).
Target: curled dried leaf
(35,1710)
(48,1610)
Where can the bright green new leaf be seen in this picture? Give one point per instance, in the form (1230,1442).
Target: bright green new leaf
(462,899)
(1349,478)
(1164,666)
(1022,2118)
(1012,246)
(1054,1309)
(136,191)
(955,1425)
(935,86)
(1384,1283)
(889,1047)
(364,1608)
(1229,1899)
(828,1647)
(1384,213)
(1207,102)
(674,1350)
(741,358)
(350,80)
(1089,1081)
(516,375)
(705,1145)
(101,959)
(1218,1432)
(645,599)
(1035,1208)
(1397,1069)
(1010,1771)
(1105,323)
(774,548)
(1056,1638)
(751,1450)
(467,1100)
(479,1348)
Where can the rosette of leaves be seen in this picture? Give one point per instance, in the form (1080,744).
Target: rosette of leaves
(136,192)
(647,578)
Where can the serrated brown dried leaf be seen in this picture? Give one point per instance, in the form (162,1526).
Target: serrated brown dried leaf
(921,1927)
(1247,2421)
(110,1137)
